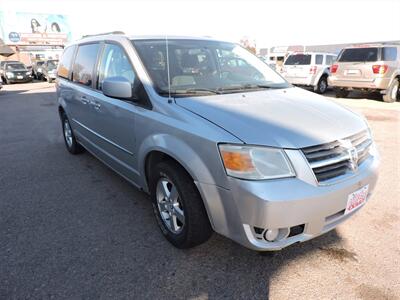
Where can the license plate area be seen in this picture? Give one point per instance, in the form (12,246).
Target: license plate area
(20,77)
(353,72)
(356,199)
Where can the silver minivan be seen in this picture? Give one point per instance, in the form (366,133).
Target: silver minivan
(219,140)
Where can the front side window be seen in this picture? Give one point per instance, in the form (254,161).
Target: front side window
(318,59)
(389,53)
(115,63)
(65,62)
(84,64)
(199,67)
(359,55)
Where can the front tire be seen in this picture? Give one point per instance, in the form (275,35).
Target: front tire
(178,206)
(72,145)
(392,93)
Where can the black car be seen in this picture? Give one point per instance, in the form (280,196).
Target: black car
(16,72)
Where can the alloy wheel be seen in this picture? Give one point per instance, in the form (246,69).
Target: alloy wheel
(170,206)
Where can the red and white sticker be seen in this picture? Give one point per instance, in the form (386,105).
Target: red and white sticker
(356,199)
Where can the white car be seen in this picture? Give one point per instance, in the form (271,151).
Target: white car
(309,69)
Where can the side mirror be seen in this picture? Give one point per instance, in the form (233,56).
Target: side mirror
(117,87)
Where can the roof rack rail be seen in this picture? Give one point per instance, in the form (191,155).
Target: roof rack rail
(105,33)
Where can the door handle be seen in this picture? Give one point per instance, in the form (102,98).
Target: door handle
(96,105)
(85,100)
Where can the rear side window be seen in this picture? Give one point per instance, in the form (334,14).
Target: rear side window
(65,62)
(84,64)
(389,53)
(359,55)
(298,59)
(318,59)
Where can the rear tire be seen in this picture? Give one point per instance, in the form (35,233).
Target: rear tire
(178,206)
(72,145)
(393,92)
(322,85)
(341,93)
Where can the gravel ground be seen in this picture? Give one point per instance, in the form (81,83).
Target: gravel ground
(70,228)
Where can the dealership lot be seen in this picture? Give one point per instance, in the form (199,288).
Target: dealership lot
(72,228)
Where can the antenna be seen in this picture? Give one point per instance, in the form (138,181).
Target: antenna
(168,75)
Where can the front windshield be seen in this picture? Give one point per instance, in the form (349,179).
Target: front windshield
(15,66)
(52,64)
(203,67)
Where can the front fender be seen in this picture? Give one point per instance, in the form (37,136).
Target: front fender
(182,152)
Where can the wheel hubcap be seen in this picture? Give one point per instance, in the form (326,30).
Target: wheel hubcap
(67,133)
(170,206)
(322,87)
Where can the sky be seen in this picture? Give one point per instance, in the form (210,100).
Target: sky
(268,23)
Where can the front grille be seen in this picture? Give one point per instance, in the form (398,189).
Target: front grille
(332,160)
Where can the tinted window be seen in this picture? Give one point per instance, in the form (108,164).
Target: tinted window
(318,59)
(84,64)
(65,62)
(389,53)
(298,59)
(359,55)
(114,62)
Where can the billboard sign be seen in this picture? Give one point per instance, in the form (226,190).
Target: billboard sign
(34,29)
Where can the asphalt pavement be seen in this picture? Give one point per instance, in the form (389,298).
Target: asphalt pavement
(70,228)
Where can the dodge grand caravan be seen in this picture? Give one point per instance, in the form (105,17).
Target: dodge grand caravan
(231,149)
(370,68)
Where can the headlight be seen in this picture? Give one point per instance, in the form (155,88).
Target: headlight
(39,70)
(255,162)
(10,74)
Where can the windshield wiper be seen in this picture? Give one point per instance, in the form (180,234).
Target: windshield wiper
(247,86)
(194,91)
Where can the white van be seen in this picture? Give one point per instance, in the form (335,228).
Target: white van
(309,69)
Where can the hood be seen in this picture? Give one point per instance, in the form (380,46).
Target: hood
(288,118)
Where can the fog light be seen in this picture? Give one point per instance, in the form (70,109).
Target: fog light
(271,234)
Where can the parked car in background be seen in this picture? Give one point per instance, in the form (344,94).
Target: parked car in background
(2,64)
(49,70)
(1,83)
(37,69)
(14,72)
(245,154)
(308,69)
(371,68)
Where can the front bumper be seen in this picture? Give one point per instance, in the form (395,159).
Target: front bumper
(284,203)
(51,75)
(20,80)
(348,83)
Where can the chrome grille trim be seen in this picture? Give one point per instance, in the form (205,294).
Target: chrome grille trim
(332,160)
